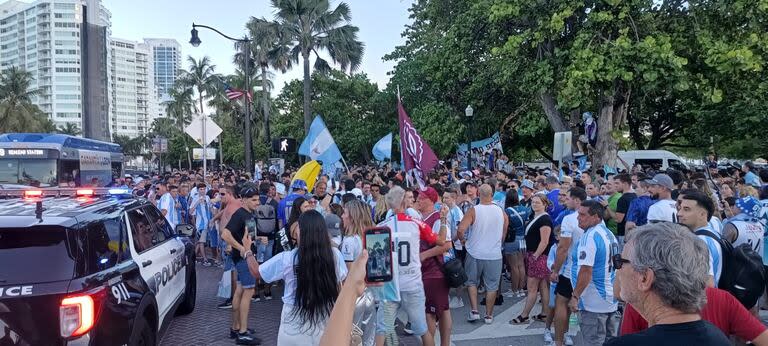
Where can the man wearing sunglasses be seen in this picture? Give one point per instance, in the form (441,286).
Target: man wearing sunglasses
(593,276)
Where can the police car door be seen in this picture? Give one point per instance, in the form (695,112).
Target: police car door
(148,248)
(173,273)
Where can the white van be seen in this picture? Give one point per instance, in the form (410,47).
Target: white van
(656,159)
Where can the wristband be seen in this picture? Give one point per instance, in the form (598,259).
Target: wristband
(247,253)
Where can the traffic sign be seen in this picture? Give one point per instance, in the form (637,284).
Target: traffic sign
(195,130)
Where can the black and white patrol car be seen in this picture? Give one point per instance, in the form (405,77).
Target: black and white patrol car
(90,267)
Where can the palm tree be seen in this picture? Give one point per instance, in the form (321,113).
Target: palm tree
(180,109)
(69,129)
(201,76)
(311,26)
(269,48)
(17,113)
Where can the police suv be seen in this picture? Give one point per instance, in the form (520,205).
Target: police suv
(90,267)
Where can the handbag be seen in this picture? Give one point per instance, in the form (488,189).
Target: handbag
(454,273)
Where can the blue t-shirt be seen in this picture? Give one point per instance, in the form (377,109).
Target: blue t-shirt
(284,207)
(638,210)
(518,223)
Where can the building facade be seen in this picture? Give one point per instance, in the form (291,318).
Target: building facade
(63,44)
(166,56)
(133,97)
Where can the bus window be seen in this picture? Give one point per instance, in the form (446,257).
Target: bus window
(68,173)
(32,172)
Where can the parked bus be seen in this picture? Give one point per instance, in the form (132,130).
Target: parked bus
(48,160)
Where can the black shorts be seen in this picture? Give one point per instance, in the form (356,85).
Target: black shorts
(564,288)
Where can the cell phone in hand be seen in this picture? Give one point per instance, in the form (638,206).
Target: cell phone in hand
(378,242)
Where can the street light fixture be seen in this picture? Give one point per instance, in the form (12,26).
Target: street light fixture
(195,41)
(469,112)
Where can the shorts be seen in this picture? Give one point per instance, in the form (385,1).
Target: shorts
(564,287)
(213,238)
(413,303)
(264,251)
(597,328)
(244,276)
(487,270)
(436,293)
(514,247)
(201,236)
(536,268)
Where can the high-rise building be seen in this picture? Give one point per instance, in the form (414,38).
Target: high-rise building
(133,97)
(166,56)
(64,44)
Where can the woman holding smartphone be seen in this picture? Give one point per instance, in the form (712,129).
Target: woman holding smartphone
(312,272)
(355,219)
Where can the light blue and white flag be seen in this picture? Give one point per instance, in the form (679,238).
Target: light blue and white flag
(319,144)
(382,150)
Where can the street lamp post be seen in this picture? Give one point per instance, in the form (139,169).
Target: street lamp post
(246,44)
(469,112)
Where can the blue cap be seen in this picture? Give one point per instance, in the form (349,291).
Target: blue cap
(749,205)
(298,184)
(527,183)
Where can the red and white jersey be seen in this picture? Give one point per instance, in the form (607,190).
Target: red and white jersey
(406,235)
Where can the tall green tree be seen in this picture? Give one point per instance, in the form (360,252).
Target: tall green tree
(17,113)
(312,26)
(180,109)
(201,77)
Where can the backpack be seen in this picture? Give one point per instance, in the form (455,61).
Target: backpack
(743,274)
(266,220)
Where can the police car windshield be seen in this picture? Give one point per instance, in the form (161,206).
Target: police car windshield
(35,255)
(28,172)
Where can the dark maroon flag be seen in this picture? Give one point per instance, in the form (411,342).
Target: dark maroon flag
(418,157)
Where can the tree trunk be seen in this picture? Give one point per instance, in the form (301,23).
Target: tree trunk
(553,115)
(265,108)
(613,108)
(307,94)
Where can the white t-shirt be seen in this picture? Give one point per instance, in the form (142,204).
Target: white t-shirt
(663,210)
(569,228)
(406,233)
(281,267)
(351,247)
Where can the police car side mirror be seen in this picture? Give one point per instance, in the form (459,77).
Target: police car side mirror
(185,229)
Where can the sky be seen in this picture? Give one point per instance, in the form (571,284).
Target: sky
(381,23)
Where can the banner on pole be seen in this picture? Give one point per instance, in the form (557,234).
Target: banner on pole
(479,149)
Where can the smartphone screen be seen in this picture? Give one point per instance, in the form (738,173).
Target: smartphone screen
(378,242)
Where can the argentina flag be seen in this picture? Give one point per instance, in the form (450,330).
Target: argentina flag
(319,144)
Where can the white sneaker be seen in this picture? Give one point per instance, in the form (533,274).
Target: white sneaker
(473,316)
(488,319)
(521,293)
(568,340)
(455,303)
(509,294)
(548,337)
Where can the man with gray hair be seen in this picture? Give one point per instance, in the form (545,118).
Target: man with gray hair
(663,271)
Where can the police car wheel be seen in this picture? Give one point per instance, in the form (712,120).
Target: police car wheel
(190,296)
(143,334)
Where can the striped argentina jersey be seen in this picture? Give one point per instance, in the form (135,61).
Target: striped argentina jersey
(203,214)
(168,203)
(715,253)
(594,250)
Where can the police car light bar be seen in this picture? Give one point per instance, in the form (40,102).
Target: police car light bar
(39,193)
(33,193)
(120,191)
(84,192)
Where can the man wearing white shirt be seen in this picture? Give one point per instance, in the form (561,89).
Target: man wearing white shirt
(168,204)
(665,209)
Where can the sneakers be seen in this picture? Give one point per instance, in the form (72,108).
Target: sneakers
(407,329)
(548,337)
(568,340)
(473,316)
(488,319)
(455,303)
(227,304)
(268,296)
(510,294)
(256,299)
(233,332)
(521,293)
(247,339)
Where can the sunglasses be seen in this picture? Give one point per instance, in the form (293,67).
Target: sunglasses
(618,261)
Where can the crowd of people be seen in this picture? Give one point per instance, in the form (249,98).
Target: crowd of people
(635,257)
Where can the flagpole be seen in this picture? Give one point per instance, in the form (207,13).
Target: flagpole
(345,163)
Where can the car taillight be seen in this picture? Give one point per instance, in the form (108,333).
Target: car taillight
(77,313)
